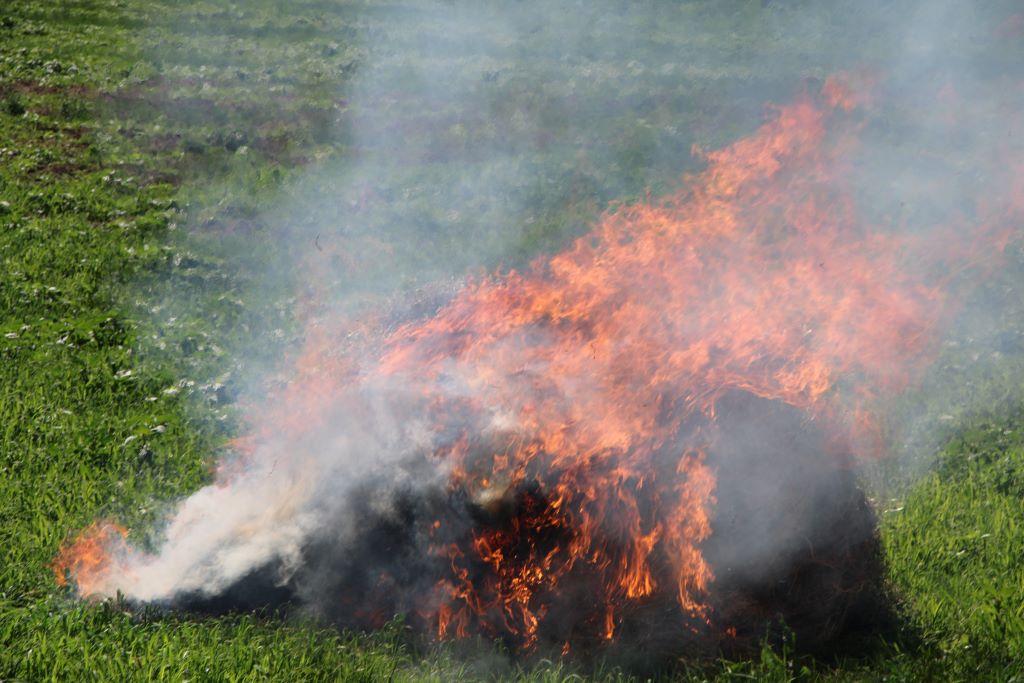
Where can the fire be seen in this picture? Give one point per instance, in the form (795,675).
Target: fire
(89,557)
(572,405)
(759,275)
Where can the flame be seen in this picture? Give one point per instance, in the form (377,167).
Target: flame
(569,402)
(759,275)
(89,559)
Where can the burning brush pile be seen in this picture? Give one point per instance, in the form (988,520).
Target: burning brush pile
(645,439)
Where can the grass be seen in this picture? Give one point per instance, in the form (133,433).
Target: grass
(955,544)
(165,166)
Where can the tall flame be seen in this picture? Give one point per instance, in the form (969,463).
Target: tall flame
(555,398)
(759,275)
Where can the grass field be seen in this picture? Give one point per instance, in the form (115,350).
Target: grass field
(165,165)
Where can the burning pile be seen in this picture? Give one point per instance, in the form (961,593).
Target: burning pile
(647,436)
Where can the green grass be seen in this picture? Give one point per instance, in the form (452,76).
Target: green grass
(164,166)
(956,547)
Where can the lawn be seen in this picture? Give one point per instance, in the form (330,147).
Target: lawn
(182,183)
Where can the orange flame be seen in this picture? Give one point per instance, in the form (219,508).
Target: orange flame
(89,558)
(556,397)
(760,275)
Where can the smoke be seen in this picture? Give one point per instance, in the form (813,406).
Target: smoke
(469,132)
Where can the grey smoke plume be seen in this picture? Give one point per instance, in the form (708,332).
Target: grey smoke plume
(468,127)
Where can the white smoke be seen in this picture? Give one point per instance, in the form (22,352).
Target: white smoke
(490,109)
